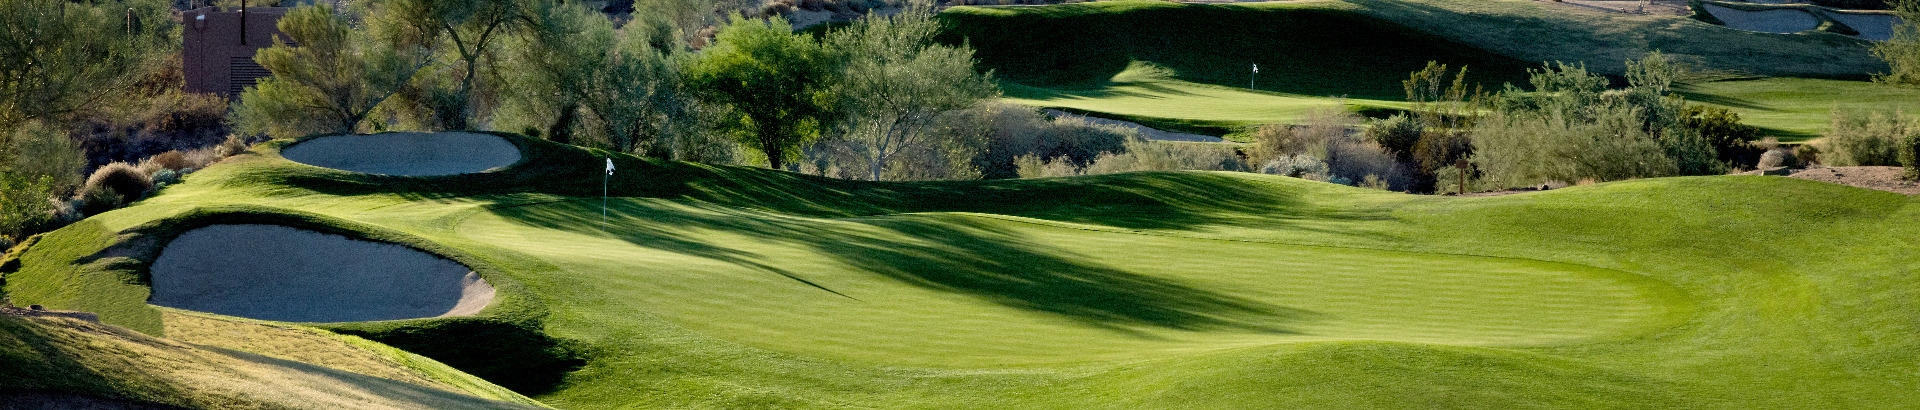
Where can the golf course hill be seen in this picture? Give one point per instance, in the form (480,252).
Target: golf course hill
(694,285)
(1190,67)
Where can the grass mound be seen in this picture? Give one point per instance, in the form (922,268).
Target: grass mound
(710,286)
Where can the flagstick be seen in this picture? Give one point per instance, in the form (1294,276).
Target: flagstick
(603,197)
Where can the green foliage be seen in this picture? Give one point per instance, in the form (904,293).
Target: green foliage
(1867,139)
(1910,157)
(1442,105)
(460,34)
(1143,155)
(23,203)
(1902,51)
(1571,128)
(893,82)
(66,59)
(576,79)
(776,82)
(1397,134)
(37,150)
(1731,140)
(331,82)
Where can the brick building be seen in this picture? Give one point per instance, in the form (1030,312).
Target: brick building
(218,46)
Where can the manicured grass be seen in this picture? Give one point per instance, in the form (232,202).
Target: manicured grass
(1799,109)
(736,287)
(1185,67)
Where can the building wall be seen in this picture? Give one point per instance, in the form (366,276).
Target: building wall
(216,56)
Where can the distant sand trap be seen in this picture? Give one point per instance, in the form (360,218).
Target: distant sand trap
(1876,27)
(406,153)
(273,272)
(1766,21)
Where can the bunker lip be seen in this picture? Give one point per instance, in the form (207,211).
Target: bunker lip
(406,153)
(280,273)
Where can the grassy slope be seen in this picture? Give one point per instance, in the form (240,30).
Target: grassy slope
(1093,54)
(78,357)
(735,287)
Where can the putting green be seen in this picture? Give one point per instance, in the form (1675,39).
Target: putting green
(947,289)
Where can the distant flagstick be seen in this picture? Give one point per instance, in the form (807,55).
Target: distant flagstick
(1250,77)
(603,194)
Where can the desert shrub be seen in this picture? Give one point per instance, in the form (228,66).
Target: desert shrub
(1142,155)
(1448,180)
(1011,131)
(36,150)
(777,8)
(124,180)
(1807,154)
(173,160)
(1297,166)
(23,203)
(1374,182)
(165,177)
(1776,158)
(1031,166)
(1397,135)
(1722,129)
(1270,142)
(1871,139)
(1523,151)
(93,201)
(233,145)
(1354,160)
(1910,157)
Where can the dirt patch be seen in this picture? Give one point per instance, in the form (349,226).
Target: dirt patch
(406,153)
(1640,7)
(1783,21)
(1875,178)
(273,272)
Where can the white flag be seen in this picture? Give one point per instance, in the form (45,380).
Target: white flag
(1256,67)
(609,166)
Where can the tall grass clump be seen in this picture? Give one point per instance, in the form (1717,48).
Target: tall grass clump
(124,181)
(1867,139)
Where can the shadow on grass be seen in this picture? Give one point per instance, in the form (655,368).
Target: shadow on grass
(942,252)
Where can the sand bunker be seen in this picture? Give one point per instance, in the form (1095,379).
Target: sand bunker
(1765,21)
(273,272)
(406,153)
(1876,27)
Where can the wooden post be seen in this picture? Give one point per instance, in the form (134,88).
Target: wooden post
(243,22)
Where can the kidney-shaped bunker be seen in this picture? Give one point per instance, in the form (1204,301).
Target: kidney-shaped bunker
(406,153)
(273,272)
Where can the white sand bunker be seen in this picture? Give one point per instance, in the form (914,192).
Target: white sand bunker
(406,153)
(1765,21)
(1876,27)
(273,272)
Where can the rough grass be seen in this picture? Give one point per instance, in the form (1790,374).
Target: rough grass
(1798,109)
(736,287)
(71,356)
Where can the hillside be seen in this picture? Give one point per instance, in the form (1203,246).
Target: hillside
(710,286)
(1187,66)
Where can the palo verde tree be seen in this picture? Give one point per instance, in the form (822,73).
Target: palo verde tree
(775,81)
(63,59)
(331,82)
(894,80)
(573,70)
(450,94)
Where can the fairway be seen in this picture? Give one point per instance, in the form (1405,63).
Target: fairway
(1799,109)
(713,286)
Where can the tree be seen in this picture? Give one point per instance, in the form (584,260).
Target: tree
(775,81)
(466,31)
(573,70)
(331,82)
(63,59)
(37,151)
(894,81)
(1902,50)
